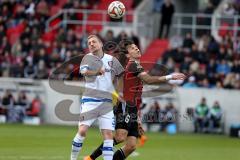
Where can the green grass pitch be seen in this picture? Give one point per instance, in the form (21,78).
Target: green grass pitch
(20,142)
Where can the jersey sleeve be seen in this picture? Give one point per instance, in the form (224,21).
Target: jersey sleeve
(117,67)
(84,66)
(135,68)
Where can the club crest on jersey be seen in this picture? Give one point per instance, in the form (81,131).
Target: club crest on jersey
(110,63)
(138,65)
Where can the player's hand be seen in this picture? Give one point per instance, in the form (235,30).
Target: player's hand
(178,76)
(117,98)
(101,71)
(140,129)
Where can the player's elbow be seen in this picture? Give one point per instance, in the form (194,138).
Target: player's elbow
(86,73)
(147,79)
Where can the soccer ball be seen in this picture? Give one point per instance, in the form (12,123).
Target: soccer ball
(116,10)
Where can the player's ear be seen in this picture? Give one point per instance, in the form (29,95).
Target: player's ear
(101,44)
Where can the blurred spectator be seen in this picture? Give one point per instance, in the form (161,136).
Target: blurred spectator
(236,46)
(2,32)
(223,67)
(22,99)
(8,99)
(188,41)
(123,35)
(190,83)
(228,9)
(93,3)
(30,9)
(5,45)
(167,11)
(109,36)
(200,116)
(208,20)
(157,5)
(35,107)
(43,8)
(215,116)
(213,46)
(236,66)
(230,81)
(215,2)
(42,72)
(171,115)
(136,3)
(30,71)
(68,4)
(152,116)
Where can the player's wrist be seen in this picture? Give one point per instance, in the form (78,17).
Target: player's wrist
(169,77)
(120,94)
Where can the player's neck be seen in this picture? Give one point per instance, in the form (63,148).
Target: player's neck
(99,53)
(134,59)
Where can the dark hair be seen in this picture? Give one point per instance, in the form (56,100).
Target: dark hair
(123,44)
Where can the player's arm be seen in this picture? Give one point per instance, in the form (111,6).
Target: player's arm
(144,76)
(119,73)
(87,72)
(86,66)
(119,87)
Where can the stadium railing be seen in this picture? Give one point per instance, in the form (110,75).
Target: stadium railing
(127,21)
(182,22)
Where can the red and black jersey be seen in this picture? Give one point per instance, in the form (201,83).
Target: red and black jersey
(133,85)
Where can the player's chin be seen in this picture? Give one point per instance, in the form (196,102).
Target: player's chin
(93,50)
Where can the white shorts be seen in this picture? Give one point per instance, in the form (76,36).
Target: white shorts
(102,111)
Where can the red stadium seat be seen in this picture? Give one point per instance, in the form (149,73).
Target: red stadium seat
(49,36)
(61,3)
(153,52)
(91,28)
(223,31)
(14,33)
(55,22)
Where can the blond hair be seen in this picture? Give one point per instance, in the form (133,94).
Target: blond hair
(94,36)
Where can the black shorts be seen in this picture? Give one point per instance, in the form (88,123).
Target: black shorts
(127,121)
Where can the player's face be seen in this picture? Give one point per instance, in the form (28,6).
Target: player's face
(94,44)
(133,52)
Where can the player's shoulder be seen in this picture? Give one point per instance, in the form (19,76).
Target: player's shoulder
(108,56)
(88,54)
(133,63)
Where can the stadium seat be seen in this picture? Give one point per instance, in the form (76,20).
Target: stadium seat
(153,52)
(14,33)
(61,3)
